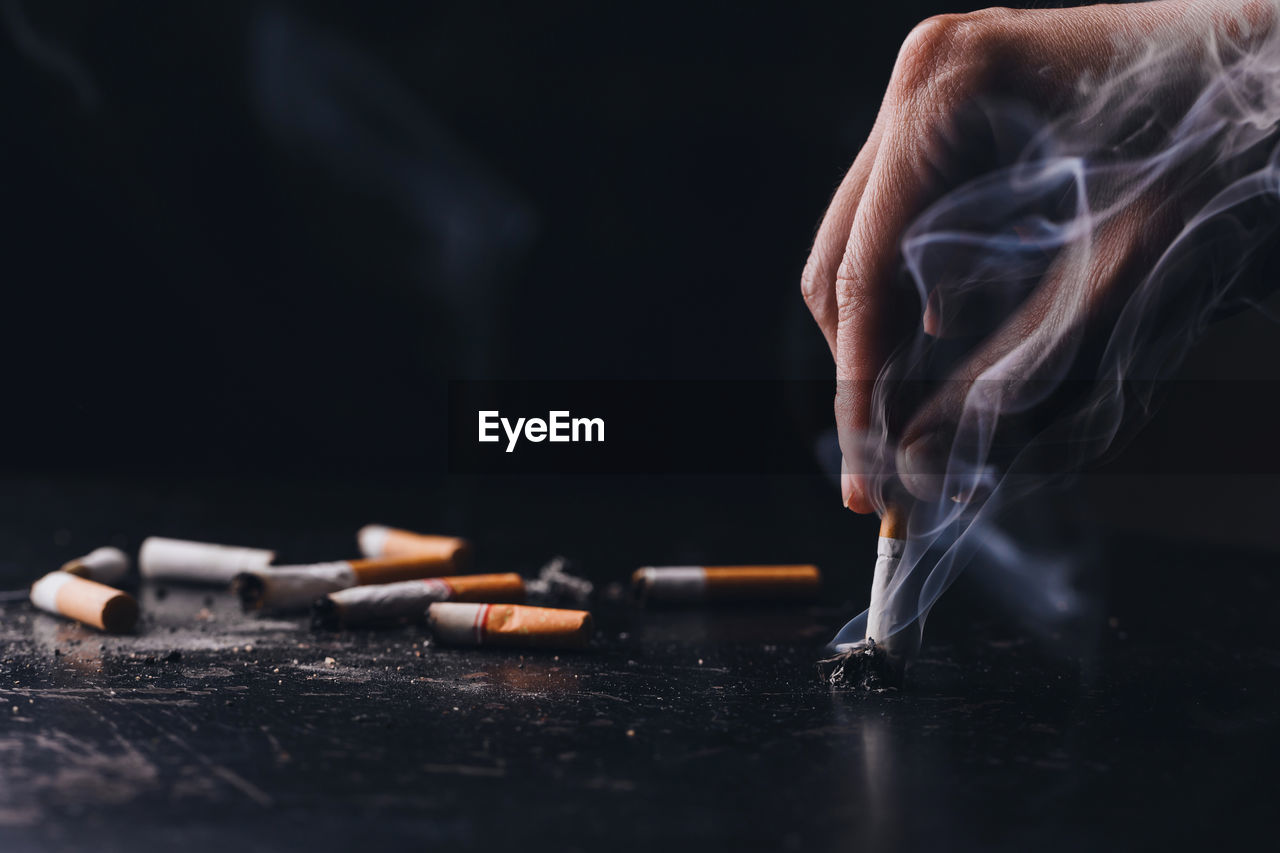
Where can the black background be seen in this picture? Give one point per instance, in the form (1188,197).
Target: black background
(217,250)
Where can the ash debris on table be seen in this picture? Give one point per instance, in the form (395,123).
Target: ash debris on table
(865,667)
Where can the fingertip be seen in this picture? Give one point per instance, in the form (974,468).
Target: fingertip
(853,494)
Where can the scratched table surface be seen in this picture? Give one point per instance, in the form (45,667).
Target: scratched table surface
(686,729)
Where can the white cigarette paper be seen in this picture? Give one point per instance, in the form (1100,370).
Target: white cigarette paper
(389,602)
(198,562)
(888,556)
(105,565)
(404,601)
(292,587)
(372,539)
(678,583)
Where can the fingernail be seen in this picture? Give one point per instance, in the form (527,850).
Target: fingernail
(849,490)
(922,466)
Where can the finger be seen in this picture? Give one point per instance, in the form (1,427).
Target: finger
(872,316)
(818,281)
(1015,370)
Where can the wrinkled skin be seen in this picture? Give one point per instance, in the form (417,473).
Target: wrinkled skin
(1036,56)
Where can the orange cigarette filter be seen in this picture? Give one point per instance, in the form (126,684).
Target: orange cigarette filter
(503,587)
(716,583)
(509,625)
(104,607)
(403,568)
(377,540)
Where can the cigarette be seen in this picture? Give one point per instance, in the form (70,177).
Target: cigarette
(880,658)
(105,565)
(509,625)
(283,588)
(711,583)
(377,540)
(105,608)
(407,601)
(197,562)
(889,548)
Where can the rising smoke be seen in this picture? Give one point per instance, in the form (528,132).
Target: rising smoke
(1122,226)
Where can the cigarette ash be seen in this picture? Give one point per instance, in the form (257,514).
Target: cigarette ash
(324,615)
(864,667)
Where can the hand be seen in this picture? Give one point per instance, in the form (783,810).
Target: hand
(1129,82)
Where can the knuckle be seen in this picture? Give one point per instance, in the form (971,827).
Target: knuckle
(812,288)
(948,50)
(853,299)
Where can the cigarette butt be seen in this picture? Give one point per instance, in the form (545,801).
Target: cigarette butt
(407,601)
(285,588)
(402,568)
(889,549)
(105,608)
(712,583)
(509,625)
(377,540)
(197,562)
(105,565)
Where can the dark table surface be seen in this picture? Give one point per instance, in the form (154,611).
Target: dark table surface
(701,729)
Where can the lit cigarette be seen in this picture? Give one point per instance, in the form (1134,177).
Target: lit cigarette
(711,583)
(407,601)
(509,625)
(889,548)
(104,565)
(197,562)
(283,588)
(105,608)
(377,540)
(880,658)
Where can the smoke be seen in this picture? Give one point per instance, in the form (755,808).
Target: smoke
(49,56)
(1069,281)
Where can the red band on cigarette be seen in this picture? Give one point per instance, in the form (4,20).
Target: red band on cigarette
(482,621)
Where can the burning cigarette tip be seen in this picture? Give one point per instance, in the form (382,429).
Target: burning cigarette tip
(105,608)
(863,666)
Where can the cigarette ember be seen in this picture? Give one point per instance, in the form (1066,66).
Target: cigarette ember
(105,608)
(407,601)
(284,588)
(197,562)
(711,583)
(106,565)
(377,540)
(509,625)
